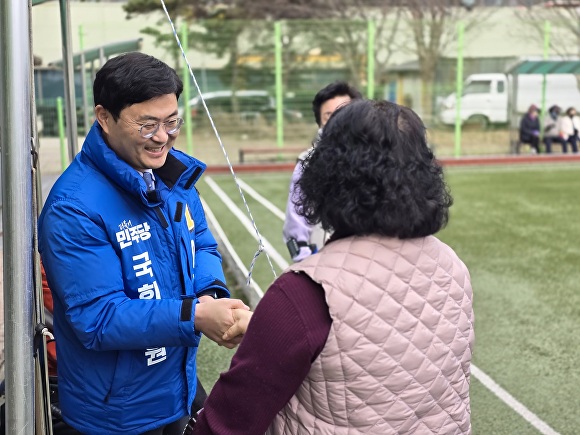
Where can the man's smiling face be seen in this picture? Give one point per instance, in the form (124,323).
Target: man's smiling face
(123,135)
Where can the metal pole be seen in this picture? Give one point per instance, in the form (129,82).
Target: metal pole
(279,94)
(61,134)
(512,81)
(186,92)
(69,81)
(459,88)
(102,59)
(547,30)
(371,31)
(15,140)
(84,81)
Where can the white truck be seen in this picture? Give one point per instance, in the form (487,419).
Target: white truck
(485,99)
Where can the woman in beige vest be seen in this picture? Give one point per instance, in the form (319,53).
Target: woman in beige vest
(374,333)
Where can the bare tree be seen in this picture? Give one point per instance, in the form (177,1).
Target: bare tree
(218,29)
(339,27)
(313,31)
(564,19)
(433,26)
(334,27)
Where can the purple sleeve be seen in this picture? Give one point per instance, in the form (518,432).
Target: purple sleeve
(295,226)
(286,334)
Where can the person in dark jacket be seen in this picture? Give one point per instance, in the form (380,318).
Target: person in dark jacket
(133,268)
(530,129)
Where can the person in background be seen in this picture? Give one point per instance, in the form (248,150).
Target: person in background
(552,133)
(373,334)
(301,238)
(569,127)
(133,268)
(530,129)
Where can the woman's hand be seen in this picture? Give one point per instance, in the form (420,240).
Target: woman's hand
(238,329)
(215,318)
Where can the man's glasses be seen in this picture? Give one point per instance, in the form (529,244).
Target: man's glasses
(149,129)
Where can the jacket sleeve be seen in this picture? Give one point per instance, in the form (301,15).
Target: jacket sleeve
(549,125)
(209,275)
(86,278)
(286,334)
(295,226)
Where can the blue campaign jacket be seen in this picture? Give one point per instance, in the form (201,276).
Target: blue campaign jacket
(124,267)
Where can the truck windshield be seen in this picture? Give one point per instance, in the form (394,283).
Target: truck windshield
(477,87)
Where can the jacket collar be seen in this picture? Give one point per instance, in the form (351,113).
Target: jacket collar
(179,168)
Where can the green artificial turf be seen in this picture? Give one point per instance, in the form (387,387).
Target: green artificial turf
(211,361)
(517,230)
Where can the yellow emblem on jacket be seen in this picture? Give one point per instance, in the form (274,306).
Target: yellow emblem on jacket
(189,219)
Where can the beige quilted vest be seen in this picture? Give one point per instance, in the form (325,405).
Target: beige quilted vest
(398,353)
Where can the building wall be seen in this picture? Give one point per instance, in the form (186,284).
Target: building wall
(102,23)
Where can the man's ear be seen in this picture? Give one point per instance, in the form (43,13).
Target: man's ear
(103,117)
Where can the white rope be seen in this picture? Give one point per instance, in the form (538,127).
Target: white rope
(217,135)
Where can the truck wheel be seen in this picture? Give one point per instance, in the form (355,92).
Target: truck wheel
(479,122)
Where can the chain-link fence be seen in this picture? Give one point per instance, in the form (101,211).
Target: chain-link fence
(245,68)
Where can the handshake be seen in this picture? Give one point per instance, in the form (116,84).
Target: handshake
(224,321)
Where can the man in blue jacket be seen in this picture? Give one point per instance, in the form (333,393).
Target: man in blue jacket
(134,270)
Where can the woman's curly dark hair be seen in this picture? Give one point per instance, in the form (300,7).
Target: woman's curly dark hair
(373,173)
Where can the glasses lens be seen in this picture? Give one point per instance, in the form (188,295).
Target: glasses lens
(173,126)
(148,130)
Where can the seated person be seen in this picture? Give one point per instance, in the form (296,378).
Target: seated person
(374,333)
(552,131)
(570,125)
(530,129)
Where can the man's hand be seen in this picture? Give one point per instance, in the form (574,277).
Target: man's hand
(214,317)
(205,298)
(242,319)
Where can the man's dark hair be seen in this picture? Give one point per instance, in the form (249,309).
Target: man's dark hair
(331,91)
(373,173)
(132,78)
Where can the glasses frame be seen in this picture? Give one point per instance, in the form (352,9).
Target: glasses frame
(171,132)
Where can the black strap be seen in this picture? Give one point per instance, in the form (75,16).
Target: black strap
(186,310)
(178,211)
(160,216)
(294,245)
